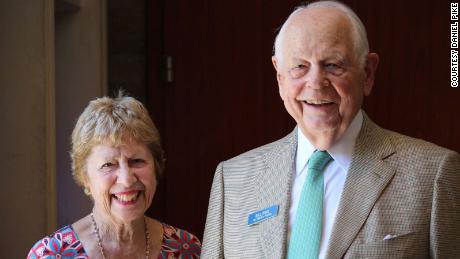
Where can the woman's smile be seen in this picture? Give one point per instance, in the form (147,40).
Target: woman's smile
(126,198)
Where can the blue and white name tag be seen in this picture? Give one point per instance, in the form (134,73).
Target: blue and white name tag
(262,215)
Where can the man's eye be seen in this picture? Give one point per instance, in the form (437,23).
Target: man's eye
(298,71)
(334,68)
(332,65)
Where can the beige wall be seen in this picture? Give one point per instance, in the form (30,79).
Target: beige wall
(25,80)
(33,108)
(80,77)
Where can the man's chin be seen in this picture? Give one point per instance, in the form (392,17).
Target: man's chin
(322,125)
(321,135)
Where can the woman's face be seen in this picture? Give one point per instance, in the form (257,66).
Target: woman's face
(121,180)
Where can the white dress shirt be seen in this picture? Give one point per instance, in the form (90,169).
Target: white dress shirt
(335,174)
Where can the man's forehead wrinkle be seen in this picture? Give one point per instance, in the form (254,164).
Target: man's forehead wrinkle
(326,44)
(312,31)
(327,54)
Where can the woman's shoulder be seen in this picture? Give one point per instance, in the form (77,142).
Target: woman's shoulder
(63,242)
(179,242)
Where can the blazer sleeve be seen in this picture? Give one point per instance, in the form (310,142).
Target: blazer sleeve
(445,214)
(213,233)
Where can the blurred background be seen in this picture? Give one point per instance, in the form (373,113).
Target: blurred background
(203,69)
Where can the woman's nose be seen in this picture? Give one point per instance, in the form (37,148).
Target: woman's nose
(126,175)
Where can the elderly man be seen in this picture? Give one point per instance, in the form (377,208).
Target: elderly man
(338,186)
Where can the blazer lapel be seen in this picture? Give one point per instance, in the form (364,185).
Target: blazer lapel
(274,185)
(367,177)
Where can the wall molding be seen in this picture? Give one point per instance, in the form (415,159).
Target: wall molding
(50,116)
(104,55)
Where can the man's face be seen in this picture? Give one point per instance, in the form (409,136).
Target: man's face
(321,80)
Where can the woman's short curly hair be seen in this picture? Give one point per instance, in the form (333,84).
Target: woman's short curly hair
(114,120)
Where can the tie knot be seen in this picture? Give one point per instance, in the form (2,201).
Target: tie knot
(319,160)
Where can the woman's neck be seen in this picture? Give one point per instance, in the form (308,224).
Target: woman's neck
(123,232)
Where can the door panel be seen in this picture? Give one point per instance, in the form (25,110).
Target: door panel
(224,97)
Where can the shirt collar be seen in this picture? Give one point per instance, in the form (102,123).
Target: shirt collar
(341,151)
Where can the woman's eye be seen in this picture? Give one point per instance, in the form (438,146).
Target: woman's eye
(107,165)
(137,162)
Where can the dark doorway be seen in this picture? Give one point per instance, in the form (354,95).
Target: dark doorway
(222,97)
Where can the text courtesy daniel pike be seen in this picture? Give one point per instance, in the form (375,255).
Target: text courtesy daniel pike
(454,44)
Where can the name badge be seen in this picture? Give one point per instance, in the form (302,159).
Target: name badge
(262,215)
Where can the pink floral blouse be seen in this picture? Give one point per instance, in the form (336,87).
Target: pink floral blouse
(64,243)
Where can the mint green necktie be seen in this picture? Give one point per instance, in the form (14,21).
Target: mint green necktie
(306,232)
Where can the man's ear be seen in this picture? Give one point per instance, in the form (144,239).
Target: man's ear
(278,75)
(372,62)
(275,65)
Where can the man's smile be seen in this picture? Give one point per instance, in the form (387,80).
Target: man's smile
(318,101)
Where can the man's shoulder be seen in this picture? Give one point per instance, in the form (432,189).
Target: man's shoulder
(410,147)
(410,144)
(420,154)
(262,152)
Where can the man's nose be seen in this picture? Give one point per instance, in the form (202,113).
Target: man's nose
(315,78)
(126,175)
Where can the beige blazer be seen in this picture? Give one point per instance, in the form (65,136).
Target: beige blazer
(401,200)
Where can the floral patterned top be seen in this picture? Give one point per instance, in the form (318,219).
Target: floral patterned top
(64,243)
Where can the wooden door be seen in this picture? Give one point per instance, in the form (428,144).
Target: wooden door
(224,100)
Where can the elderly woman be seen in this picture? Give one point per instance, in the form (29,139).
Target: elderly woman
(117,159)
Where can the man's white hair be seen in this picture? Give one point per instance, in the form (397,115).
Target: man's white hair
(360,42)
